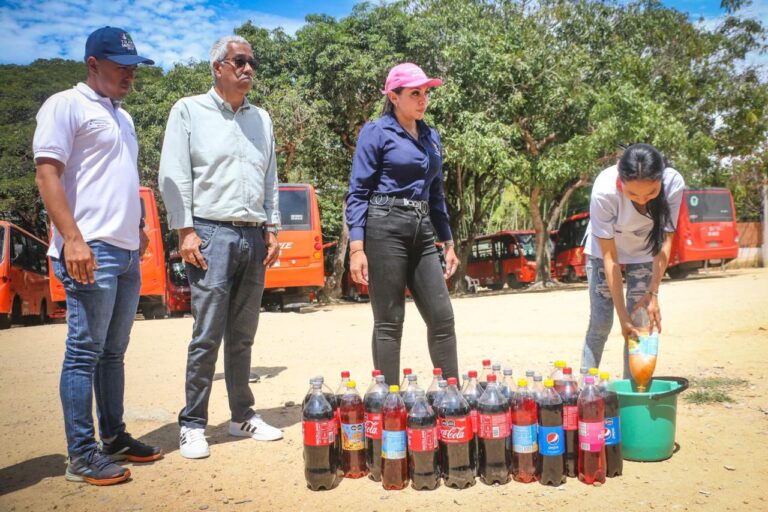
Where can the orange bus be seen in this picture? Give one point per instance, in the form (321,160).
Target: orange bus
(298,274)
(506,257)
(706,231)
(569,260)
(177,299)
(152,301)
(24,293)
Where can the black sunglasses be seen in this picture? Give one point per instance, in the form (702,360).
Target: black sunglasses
(240,61)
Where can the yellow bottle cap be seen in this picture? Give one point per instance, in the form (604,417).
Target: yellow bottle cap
(394,388)
(605,376)
(559,364)
(593,371)
(549,383)
(351,384)
(522,382)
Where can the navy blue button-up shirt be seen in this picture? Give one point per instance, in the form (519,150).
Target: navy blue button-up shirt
(389,161)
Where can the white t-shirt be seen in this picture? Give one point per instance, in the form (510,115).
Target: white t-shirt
(95,140)
(612,215)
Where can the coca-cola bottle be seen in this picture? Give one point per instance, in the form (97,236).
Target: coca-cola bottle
(374,374)
(472,394)
(330,396)
(591,441)
(464,381)
(457,454)
(614,461)
(551,463)
(342,386)
(411,391)
(507,385)
(321,459)
(524,434)
(569,393)
(373,403)
(352,413)
(434,387)
(404,384)
(394,444)
(487,370)
(423,465)
(529,375)
(494,457)
(496,369)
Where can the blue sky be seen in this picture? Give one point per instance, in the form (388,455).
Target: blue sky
(170,31)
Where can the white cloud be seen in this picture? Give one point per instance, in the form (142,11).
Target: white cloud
(167,31)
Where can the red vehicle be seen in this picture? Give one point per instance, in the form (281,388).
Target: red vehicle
(506,257)
(24,293)
(569,260)
(177,295)
(706,231)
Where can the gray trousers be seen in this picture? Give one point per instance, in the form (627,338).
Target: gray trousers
(226,299)
(638,277)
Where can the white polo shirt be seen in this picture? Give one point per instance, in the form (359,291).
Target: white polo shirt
(612,215)
(95,140)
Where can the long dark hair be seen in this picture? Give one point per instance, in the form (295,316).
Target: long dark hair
(645,162)
(389,107)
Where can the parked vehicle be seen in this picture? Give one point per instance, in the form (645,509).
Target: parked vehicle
(177,298)
(506,257)
(569,260)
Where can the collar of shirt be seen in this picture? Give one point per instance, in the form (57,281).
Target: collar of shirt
(224,105)
(391,122)
(89,93)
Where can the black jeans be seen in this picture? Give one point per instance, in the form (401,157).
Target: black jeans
(400,247)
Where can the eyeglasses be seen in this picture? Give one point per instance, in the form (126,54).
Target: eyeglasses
(240,61)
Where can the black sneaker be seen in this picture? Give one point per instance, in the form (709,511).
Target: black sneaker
(125,447)
(95,469)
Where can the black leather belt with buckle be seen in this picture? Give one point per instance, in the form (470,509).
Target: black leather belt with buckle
(420,206)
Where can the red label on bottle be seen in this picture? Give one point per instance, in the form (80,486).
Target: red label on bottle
(494,426)
(422,439)
(373,425)
(570,417)
(475,421)
(319,433)
(456,430)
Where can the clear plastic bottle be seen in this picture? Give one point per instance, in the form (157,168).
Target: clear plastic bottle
(643,350)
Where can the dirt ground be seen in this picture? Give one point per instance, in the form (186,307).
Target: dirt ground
(713,325)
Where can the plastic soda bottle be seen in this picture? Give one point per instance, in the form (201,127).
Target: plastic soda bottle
(318,427)
(591,436)
(487,370)
(423,465)
(613,457)
(524,434)
(434,387)
(342,386)
(352,412)
(472,394)
(404,384)
(394,445)
(643,350)
(557,372)
(373,403)
(494,457)
(410,392)
(569,393)
(457,452)
(551,463)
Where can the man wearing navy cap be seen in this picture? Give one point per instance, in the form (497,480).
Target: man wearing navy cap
(85,154)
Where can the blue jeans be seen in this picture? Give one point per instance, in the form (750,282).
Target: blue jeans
(638,277)
(99,321)
(226,300)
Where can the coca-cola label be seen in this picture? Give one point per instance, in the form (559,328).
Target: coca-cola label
(551,441)
(393,444)
(475,420)
(373,425)
(353,436)
(319,433)
(591,437)
(612,431)
(524,438)
(494,426)
(422,439)
(456,430)
(570,417)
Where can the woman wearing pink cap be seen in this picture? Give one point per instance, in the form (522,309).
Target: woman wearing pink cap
(395,208)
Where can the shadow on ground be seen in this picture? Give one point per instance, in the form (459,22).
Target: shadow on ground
(30,472)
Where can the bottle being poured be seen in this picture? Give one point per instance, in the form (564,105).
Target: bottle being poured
(643,349)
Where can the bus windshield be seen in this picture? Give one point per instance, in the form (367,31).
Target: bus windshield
(709,206)
(178,273)
(527,245)
(294,209)
(571,234)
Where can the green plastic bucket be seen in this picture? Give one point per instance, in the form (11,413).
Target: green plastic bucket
(648,419)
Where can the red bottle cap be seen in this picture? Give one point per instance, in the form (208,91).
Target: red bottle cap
(452,381)
(567,371)
(492,378)
(375,373)
(472,374)
(407,371)
(437,371)
(345,374)
(486,362)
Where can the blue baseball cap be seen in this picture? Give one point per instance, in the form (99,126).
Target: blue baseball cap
(114,44)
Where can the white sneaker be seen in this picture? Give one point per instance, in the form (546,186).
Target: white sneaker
(192,443)
(255,428)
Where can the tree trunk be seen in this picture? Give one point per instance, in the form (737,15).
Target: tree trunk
(333,284)
(765,223)
(542,238)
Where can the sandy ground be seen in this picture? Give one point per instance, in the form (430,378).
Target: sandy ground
(713,325)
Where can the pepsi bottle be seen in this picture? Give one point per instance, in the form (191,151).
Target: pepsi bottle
(614,460)
(551,463)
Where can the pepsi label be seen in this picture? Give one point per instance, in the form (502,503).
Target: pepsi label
(612,431)
(551,441)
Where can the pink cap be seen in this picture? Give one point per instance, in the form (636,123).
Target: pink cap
(408,74)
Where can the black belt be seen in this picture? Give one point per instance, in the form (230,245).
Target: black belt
(233,223)
(381,200)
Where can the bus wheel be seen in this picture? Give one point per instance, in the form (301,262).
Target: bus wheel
(43,318)
(676,272)
(5,321)
(513,282)
(571,276)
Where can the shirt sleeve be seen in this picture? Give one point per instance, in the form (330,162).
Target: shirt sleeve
(366,166)
(175,176)
(602,214)
(674,199)
(56,128)
(438,209)
(271,190)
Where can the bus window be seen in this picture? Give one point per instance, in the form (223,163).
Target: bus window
(527,246)
(484,249)
(178,273)
(709,207)
(18,253)
(2,243)
(294,209)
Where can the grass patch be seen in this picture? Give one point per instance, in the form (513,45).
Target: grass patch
(711,390)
